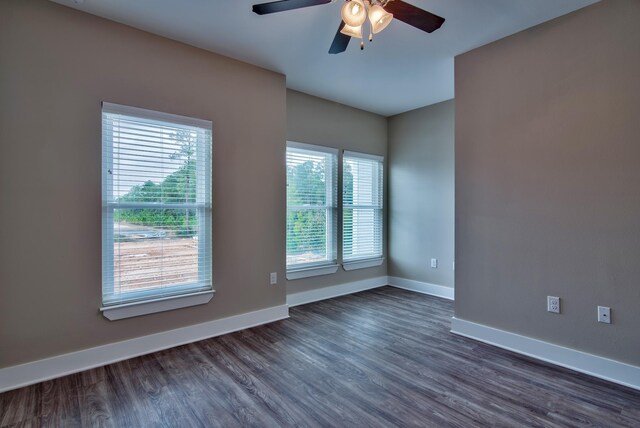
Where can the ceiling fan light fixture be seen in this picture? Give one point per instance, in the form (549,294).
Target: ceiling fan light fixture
(379,18)
(352,31)
(354,13)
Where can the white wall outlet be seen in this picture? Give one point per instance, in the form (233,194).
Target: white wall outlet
(434,263)
(273,278)
(604,314)
(553,304)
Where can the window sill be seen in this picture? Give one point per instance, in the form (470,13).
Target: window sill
(362,264)
(313,271)
(129,310)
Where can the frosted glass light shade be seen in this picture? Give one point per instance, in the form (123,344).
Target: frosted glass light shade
(354,13)
(352,31)
(379,18)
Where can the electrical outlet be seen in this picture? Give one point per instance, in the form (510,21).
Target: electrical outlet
(273,278)
(553,304)
(604,314)
(434,263)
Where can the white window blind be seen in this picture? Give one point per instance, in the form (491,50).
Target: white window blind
(156,205)
(311,205)
(362,209)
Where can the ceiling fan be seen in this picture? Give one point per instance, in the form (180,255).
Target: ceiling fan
(355,14)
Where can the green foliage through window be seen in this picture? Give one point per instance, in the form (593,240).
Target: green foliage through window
(177,187)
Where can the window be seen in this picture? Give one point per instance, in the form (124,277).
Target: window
(311,210)
(156,218)
(362,209)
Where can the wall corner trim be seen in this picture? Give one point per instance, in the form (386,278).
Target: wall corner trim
(61,365)
(304,297)
(593,365)
(422,287)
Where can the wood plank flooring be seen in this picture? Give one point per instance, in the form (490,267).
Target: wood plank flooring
(380,358)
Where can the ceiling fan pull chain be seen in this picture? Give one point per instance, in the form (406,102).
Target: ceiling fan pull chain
(370,32)
(370,29)
(361,45)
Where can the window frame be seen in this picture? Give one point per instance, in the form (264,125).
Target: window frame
(377,259)
(171,297)
(325,267)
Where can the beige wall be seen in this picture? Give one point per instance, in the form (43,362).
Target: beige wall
(56,65)
(421,194)
(317,121)
(548,180)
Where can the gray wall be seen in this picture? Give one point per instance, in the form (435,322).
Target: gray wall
(548,180)
(56,65)
(317,121)
(421,194)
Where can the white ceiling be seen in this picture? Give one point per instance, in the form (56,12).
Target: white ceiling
(404,68)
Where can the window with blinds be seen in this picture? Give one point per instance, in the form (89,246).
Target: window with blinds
(362,206)
(156,205)
(312,175)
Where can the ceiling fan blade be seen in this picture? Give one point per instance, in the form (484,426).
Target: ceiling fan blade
(414,16)
(284,5)
(340,41)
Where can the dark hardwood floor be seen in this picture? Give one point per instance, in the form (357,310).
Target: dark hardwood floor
(379,358)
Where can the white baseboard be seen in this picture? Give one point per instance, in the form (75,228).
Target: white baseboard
(304,297)
(422,287)
(600,367)
(62,365)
